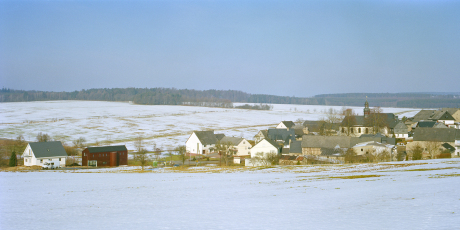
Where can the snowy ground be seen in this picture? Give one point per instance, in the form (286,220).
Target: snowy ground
(167,126)
(396,195)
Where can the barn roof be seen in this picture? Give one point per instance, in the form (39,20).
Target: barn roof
(434,134)
(102,149)
(48,149)
(207,137)
(234,140)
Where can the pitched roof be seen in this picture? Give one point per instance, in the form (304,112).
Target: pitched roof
(288,124)
(442,115)
(295,147)
(451,110)
(219,136)
(423,115)
(434,134)
(448,147)
(206,137)
(426,124)
(48,149)
(439,125)
(326,141)
(234,140)
(401,128)
(101,149)
(281,134)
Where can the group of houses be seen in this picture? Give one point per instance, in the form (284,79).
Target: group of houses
(361,136)
(368,136)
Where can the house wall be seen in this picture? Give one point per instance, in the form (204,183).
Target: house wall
(263,147)
(115,158)
(191,144)
(311,151)
(402,136)
(243,148)
(30,159)
(258,137)
(281,126)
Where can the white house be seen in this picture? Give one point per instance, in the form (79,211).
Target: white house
(201,142)
(262,150)
(285,125)
(38,153)
(375,148)
(241,145)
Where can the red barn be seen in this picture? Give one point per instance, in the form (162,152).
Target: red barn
(105,156)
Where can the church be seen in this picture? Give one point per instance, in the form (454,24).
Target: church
(372,122)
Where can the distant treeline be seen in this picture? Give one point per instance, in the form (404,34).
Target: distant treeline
(225,98)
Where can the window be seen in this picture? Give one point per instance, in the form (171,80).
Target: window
(84,154)
(59,159)
(351,129)
(359,130)
(367,130)
(41,161)
(26,160)
(343,130)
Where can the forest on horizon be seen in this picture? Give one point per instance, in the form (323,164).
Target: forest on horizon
(226,98)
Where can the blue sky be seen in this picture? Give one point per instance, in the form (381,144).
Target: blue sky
(292,48)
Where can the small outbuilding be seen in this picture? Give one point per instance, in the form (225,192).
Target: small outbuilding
(105,156)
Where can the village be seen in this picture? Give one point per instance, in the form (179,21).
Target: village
(340,137)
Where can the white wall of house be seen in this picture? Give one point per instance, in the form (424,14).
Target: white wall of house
(402,136)
(281,126)
(193,142)
(30,159)
(263,147)
(457,148)
(244,148)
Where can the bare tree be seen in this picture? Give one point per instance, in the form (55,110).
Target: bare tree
(79,143)
(433,148)
(226,151)
(142,157)
(138,143)
(181,152)
(376,119)
(349,120)
(43,137)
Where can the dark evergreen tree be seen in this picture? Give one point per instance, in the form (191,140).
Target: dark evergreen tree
(13,159)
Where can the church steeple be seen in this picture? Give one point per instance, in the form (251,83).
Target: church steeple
(367,111)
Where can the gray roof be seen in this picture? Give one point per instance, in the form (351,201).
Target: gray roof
(206,137)
(332,142)
(423,115)
(434,134)
(234,140)
(442,115)
(451,110)
(326,141)
(448,147)
(288,124)
(401,128)
(295,147)
(102,149)
(48,149)
(426,124)
(440,125)
(281,134)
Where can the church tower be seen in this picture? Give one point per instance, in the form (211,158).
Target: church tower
(367,111)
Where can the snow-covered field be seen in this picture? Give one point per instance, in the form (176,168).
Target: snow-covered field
(167,126)
(397,195)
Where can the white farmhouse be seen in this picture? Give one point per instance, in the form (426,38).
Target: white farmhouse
(260,151)
(202,142)
(38,153)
